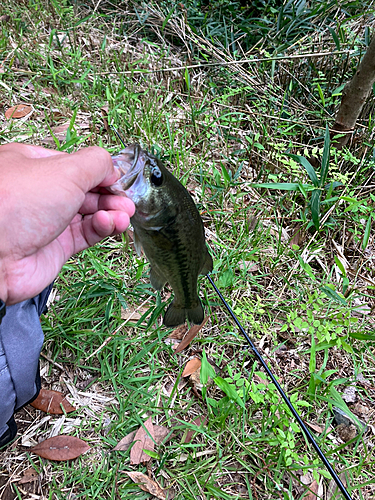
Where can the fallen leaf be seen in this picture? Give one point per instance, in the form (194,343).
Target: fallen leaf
(193,332)
(161,433)
(198,421)
(312,494)
(4,18)
(61,448)
(191,367)
(179,333)
(168,388)
(28,476)
(142,441)
(125,442)
(260,380)
(18,111)
(51,402)
(147,484)
(315,427)
(297,238)
(333,488)
(104,111)
(59,132)
(133,314)
(61,128)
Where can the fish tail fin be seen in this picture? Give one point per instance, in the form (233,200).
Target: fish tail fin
(175,316)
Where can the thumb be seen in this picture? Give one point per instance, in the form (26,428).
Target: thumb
(88,168)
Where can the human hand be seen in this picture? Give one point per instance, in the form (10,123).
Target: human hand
(51,207)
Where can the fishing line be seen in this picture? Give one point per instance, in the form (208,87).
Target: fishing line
(283,395)
(118,135)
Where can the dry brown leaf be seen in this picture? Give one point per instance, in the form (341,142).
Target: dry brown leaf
(192,333)
(147,484)
(142,441)
(29,475)
(51,402)
(312,494)
(59,132)
(297,238)
(315,427)
(18,111)
(125,442)
(104,111)
(61,128)
(191,366)
(179,333)
(133,314)
(333,488)
(198,421)
(260,380)
(161,433)
(61,448)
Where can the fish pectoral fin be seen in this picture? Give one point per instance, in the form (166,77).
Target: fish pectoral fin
(157,281)
(176,316)
(137,243)
(208,264)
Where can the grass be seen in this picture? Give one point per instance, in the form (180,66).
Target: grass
(222,127)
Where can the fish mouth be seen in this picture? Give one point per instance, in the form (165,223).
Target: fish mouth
(127,162)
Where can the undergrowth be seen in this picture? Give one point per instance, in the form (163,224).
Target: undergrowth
(213,88)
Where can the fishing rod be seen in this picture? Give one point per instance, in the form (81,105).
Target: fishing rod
(283,395)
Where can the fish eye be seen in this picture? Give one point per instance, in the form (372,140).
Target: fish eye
(156,176)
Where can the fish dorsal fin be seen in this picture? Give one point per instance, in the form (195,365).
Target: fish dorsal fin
(137,243)
(208,264)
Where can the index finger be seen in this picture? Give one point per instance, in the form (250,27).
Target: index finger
(29,150)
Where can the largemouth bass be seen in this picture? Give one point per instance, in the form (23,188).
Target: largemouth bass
(168,226)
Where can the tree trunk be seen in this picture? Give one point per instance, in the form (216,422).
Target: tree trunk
(354,96)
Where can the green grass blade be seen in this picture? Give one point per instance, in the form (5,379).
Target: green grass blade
(307,166)
(366,235)
(325,158)
(333,295)
(315,207)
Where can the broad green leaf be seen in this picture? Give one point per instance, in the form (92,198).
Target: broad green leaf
(315,207)
(206,369)
(307,166)
(229,390)
(340,266)
(152,454)
(325,158)
(333,295)
(321,95)
(335,38)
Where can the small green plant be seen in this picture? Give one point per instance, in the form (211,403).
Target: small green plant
(316,189)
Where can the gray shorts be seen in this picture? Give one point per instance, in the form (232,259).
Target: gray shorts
(21,339)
